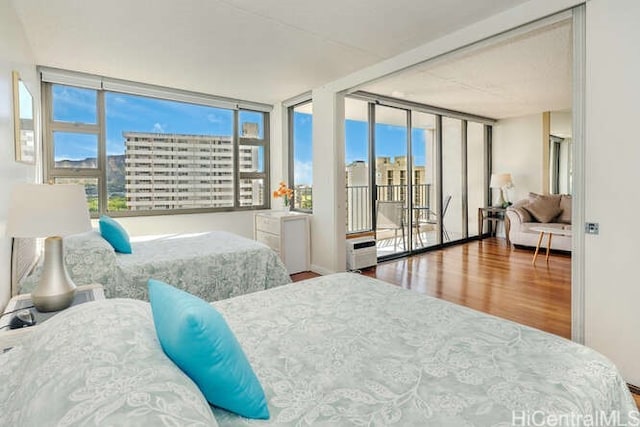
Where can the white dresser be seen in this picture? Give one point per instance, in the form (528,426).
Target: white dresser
(287,233)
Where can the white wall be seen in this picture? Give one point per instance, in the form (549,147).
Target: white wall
(517,149)
(612,156)
(240,223)
(328,224)
(15,54)
(561,124)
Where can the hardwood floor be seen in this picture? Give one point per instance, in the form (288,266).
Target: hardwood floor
(490,277)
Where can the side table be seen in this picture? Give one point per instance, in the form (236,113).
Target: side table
(493,215)
(10,337)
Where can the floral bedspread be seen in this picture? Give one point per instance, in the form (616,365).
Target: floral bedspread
(347,350)
(213,265)
(97,364)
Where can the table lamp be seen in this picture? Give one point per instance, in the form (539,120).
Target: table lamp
(501,181)
(51,211)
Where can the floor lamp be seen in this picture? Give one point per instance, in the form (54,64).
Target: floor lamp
(51,211)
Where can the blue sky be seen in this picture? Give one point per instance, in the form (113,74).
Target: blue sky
(390,142)
(126,113)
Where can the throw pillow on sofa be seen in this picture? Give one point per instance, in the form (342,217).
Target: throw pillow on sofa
(544,209)
(565,205)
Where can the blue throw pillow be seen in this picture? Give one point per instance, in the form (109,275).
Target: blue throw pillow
(197,338)
(115,234)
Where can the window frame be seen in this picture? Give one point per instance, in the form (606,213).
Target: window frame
(291,157)
(51,173)
(374,100)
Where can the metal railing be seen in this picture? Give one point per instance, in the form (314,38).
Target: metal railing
(358,202)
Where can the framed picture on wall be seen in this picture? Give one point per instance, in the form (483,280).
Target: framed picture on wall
(23,121)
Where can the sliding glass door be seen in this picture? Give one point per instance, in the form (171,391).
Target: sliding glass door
(392,203)
(426,225)
(452,208)
(415,179)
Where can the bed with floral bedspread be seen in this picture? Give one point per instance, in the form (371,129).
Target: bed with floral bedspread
(338,350)
(213,265)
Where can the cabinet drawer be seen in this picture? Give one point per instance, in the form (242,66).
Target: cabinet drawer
(271,240)
(268,224)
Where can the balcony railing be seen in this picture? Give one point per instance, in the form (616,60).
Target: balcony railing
(359,202)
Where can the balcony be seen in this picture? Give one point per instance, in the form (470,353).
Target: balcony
(358,215)
(359,203)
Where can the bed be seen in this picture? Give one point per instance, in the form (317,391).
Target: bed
(213,265)
(337,350)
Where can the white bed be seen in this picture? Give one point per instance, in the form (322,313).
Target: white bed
(339,350)
(213,265)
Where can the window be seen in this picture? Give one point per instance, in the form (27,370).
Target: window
(356,141)
(140,154)
(300,155)
(438,157)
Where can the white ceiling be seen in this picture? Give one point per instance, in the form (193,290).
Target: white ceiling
(258,50)
(523,75)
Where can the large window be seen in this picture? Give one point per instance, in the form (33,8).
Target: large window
(140,154)
(428,178)
(301,147)
(356,141)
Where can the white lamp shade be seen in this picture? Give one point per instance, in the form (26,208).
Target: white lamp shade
(43,210)
(500,180)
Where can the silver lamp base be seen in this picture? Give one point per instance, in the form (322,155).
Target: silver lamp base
(55,290)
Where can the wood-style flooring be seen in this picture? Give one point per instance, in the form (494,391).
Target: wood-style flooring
(491,277)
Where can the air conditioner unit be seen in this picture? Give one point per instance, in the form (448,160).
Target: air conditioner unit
(361,253)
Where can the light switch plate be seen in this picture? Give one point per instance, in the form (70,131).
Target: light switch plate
(592,228)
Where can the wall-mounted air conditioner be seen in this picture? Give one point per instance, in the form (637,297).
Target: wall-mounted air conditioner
(361,253)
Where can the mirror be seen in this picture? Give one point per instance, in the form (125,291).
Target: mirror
(23,122)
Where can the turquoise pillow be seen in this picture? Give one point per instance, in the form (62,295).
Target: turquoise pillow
(197,338)
(115,234)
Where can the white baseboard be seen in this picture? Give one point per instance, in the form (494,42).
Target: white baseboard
(321,270)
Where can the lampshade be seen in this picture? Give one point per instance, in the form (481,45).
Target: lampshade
(500,180)
(42,210)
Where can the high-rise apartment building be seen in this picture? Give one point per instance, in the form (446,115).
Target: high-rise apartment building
(391,184)
(170,171)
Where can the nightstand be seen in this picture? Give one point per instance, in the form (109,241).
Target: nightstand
(10,337)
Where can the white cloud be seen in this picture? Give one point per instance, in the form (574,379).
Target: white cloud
(158,128)
(303,172)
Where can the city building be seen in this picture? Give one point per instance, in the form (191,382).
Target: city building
(169,171)
(391,184)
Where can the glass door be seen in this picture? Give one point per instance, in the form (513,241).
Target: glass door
(476,193)
(392,203)
(452,209)
(423,179)
(415,179)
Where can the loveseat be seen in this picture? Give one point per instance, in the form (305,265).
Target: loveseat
(537,210)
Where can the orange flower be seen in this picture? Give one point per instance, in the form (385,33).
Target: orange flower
(283,191)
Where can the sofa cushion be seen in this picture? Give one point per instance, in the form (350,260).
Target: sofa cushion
(565,205)
(544,209)
(522,213)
